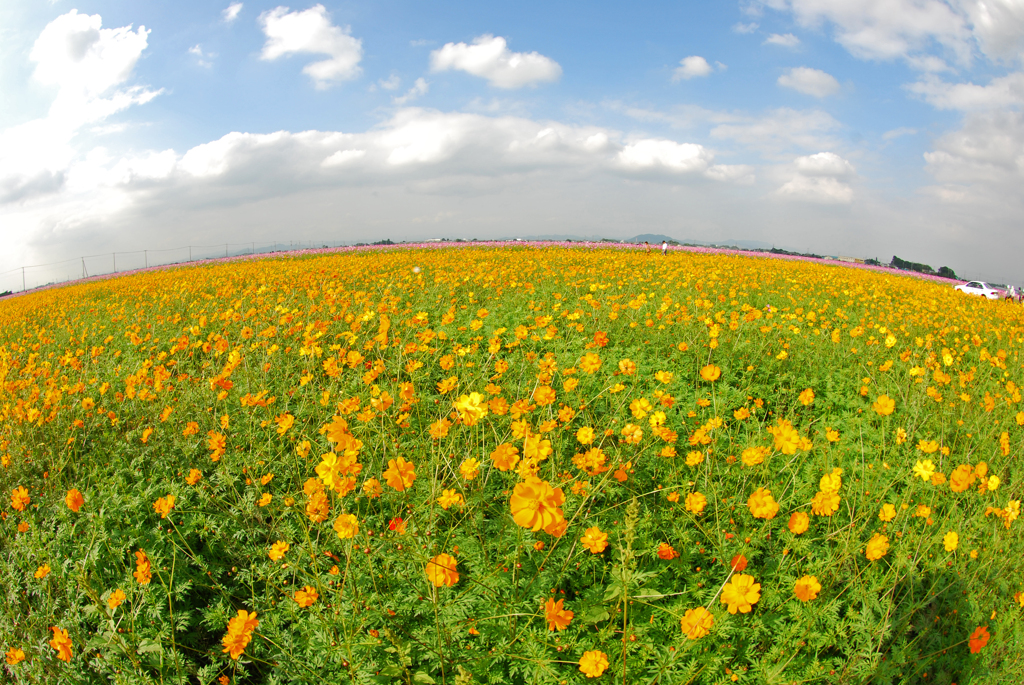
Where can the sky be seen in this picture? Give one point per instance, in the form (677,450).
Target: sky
(861,128)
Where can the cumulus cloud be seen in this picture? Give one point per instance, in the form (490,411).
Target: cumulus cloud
(809,82)
(1004,91)
(489,57)
(820,178)
(85,65)
(691,66)
(869,29)
(203,59)
(987,152)
(786,40)
(745,28)
(311,31)
(230,13)
(665,154)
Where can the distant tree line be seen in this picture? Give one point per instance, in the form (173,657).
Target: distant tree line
(944,271)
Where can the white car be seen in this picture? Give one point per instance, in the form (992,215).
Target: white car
(979,288)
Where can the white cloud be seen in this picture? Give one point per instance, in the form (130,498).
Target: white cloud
(310,31)
(889,29)
(809,81)
(745,28)
(787,40)
(998,27)
(489,57)
(1005,91)
(819,178)
(203,59)
(824,164)
(988,151)
(898,132)
(778,131)
(392,82)
(419,88)
(691,66)
(230,13)
(665,154)
(85,64)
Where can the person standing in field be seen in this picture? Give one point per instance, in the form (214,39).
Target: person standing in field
(664,247)
(647,247)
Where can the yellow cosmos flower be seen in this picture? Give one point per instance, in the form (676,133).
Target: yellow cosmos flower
(278,549)
(536,505)
(884,405)
(696,623)
(346,526)
(762,505)
(887,513)
(877,547)
(593,663)
(741,593)
(799,523)
(950,541)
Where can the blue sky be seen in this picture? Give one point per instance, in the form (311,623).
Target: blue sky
(852,127)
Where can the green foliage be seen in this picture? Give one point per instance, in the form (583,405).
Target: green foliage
(103,381)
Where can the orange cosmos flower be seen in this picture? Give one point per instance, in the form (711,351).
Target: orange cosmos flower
(799,522)
(877,547)
(116,599)
(594,540)
(306,597)
(544,395)
(695,502)
(42,571)
(962,478)
(696,623)
(15,656)
(505,457)
(397,524)
(590,363)
(142,572)
(441,571)
(807,588)
(164,505)
(557,617)
(741,594)
(825,503)
(627,366)
(20,498)
(884,405)
(741,414)
(979,638)
(278,549)
(536,505)
(74,500)
(762,505)
(400,474)
(372,488)
(806,397)
(239,633)
(194,476)
(667,552)
(710,373)
(593,663)
(62,643)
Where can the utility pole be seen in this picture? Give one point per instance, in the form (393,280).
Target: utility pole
(225,249)
(113,255)
(145,254)
(23,279)
(190,253)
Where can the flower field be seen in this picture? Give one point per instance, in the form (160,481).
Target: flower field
(514,465)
